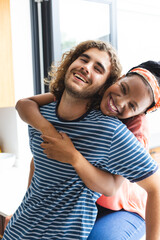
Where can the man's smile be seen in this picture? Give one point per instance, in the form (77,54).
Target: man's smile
(81,77)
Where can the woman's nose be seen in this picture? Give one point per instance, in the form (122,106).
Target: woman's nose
(121,102)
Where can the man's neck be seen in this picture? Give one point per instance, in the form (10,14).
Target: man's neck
(71,108)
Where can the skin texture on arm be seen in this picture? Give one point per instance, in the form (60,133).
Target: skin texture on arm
(28,110)
(94,178)
(151,185)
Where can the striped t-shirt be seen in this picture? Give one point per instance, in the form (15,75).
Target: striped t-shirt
(57,204)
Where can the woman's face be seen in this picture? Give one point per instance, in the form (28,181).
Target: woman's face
(126,98)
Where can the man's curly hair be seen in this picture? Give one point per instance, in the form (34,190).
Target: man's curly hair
(56,75)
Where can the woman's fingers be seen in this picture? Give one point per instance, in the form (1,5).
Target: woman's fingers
(47,138)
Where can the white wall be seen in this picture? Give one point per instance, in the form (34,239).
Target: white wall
(22,66)
(8,130)
(139,40)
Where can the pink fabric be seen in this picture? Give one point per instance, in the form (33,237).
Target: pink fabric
(130,196)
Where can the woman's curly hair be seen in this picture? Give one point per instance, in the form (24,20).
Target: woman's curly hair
(56,75)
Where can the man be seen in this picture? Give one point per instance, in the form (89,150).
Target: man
(66,207)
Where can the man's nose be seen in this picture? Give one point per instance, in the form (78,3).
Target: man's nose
(86,67)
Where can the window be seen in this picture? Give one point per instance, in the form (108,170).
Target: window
(58,25)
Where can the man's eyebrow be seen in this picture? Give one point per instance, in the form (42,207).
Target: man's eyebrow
(98,63)
(101,65)
(85,55)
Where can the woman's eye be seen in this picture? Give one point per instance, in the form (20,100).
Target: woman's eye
(123,89)
(132,107)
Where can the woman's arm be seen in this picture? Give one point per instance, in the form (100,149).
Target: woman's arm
(28,110)
(93,178)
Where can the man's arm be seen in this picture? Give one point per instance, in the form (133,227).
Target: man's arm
(152,186)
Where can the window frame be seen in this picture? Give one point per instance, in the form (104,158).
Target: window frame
(50,49)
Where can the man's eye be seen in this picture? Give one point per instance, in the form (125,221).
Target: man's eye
(83,60)
(123,88)
(98,69)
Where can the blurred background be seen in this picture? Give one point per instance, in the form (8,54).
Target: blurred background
(33,33)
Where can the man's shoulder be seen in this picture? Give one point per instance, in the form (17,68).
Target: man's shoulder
(49,111)
(110,125)
(98,116)
(50,107)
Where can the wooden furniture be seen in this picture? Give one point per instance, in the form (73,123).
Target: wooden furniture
(2,222)
(7,98)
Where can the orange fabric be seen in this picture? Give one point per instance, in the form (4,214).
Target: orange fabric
(150,78)
(130,196)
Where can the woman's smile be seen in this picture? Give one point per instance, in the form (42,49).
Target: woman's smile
(111,104)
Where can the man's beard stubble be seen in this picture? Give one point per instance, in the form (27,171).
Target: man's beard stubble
(86,94)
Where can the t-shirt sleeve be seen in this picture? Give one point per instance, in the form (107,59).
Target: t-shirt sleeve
(128,157)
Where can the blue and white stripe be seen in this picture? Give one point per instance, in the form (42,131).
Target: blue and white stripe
(57,204)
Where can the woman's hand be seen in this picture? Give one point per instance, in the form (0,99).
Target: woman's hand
(61,150)
(50,131)
(95,179)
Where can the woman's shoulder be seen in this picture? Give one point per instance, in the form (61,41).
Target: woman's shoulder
(138,125)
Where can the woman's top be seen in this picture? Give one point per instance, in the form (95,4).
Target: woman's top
(130,196)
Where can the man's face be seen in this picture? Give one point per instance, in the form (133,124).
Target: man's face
(87,74)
